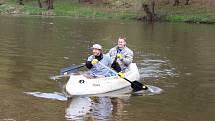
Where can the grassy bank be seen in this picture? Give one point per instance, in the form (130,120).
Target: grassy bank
(187,13)
(193,13)
(66,8)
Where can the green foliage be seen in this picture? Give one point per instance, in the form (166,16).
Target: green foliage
(12,1)
(32,10)
(191,18)
(191,13)
(115,9)
(79,10)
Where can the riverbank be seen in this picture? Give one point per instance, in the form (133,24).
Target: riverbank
(193,13)
(67,8)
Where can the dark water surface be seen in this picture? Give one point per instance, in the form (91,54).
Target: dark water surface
(178,58)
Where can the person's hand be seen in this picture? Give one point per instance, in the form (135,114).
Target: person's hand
(119,55)
(122,75)
(94,61)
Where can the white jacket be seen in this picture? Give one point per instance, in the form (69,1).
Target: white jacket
(127,56)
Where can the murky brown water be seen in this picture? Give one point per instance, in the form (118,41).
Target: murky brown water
(178,58)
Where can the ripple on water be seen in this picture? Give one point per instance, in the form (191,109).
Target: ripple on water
(156,67)
(52,96)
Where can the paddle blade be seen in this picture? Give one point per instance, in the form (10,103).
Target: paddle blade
(70,69)
(137,86)
(67,70)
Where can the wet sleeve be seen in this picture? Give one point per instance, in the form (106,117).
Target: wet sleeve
(116,66)
(89,65)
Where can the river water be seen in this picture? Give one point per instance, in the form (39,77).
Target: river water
(175,57)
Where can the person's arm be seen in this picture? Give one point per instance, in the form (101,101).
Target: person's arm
(128,58)
(88,64)
(116,66)
(112,53)
(113,63)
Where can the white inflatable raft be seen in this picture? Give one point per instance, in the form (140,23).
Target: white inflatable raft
(83,85)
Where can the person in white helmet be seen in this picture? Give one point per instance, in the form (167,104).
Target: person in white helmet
(96,69)
(121,54)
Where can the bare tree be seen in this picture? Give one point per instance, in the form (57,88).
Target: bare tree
(20,2)
(176,3)
(40,4)
(149,13)
(153,7)
(50,4)
(89,1)
(187,2)
(148,6)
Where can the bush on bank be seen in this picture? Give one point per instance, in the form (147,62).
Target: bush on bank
(162,10)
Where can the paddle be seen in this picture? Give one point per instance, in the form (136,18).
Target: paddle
(64,72)
(135,85)
(71,69)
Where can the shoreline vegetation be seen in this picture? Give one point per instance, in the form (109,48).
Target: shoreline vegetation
(195,11)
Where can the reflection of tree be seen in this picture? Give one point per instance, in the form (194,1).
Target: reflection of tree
(118,108)
(95,108)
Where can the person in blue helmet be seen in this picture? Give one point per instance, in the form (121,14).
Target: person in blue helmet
(98,70)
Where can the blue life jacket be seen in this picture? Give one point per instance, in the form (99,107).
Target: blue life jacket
(98,70)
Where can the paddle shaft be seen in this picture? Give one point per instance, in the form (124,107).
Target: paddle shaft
(64,70)
(113,71)
(137,86)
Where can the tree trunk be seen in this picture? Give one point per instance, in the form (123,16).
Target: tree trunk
(149,13)
(187,2)
(50,4)
(176,3)
(2,2)
(21,2)
(89,1)
(40,4)
(153,7)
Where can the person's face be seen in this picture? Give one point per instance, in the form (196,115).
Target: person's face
(96,52)
(121,43)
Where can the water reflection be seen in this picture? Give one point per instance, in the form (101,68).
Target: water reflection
(104,106)
(78,108)
(52,96)
(95,108)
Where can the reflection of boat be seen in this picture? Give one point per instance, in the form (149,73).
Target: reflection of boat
(78,108)
(83,85)
(53,95)
(94,108)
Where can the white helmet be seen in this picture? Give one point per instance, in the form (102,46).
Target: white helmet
(97,46)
